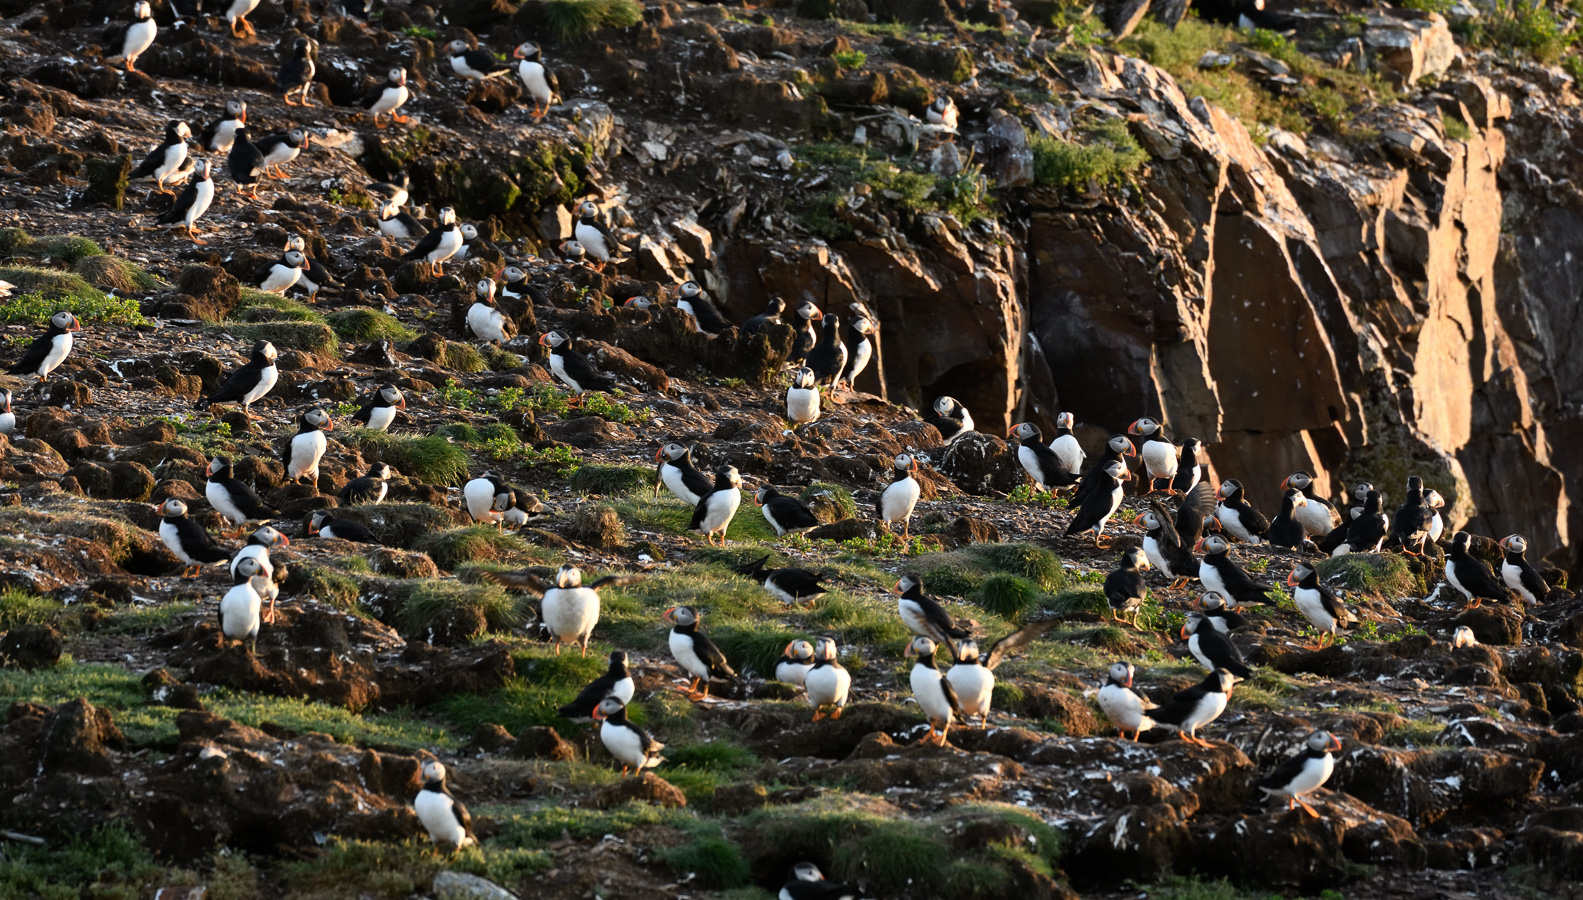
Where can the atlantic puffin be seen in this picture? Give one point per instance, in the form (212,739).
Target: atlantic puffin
(596,239)
(572,368)
(1196,707)
(1169,538)
(245,568)
(1319,516)
(322,524)
(1437,523)
(699,657)
(951,419)
(1041,463)
(676,472)
(1213,650)
(478,495)
(1413,519)
(802,399)
(233,499)
(278,276)
(379,410)
(900,497)
(314,275)
(1517,573)
(443,816)
(245,162)
(1099,506)
(808,883)
(791,586)
(1223,618)
(1238,517)
(281,148)
(188,540)
(131,40)
(250,382)
(439,245)
(515,285)
(1188,470)
(396,190)
(771,314)
(932,691)
(795,661)
(49,349)
(1220,574)
(258,546)
(715,509)
(296,72)
(191,203)
(1304,773)
(1065,445)
(302,453)
(616,682)
(241,611)
(519,506)
(1470,575)
(806,336)
(570,608)
(691,299)
(474,65)
(1318,604)
(369,488)
(1463,637)
(1286,529)
(388,97)
(1096,478)
(924,616)
(633,747)
(828,357)
(1366,532)
(485,319)
(1125,589)
(942,112)
(572,253)
(534,77)
(236,16)
(862,350)
(7,417)
(787,515)
(828,683)
(972,676)
(1124,707)
(1160,460)
(166,159)
(394,222)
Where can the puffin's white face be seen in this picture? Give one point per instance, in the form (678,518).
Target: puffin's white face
(485,291)
(803,380)
(397,76)
(1227,681)
(1136,558)
(569,576)
(809,311)
(526,50)
(1148,520)
(379,471)
(297,135)
(143,10)
(864,325)
(470,232)
(200,170)
(318,418)
(1121,673)
(555,338)
(967,651)
(1211,601)
(295,242)
(433,770)
(807,871)
(1321,741)
(1115,469)
(587,209)
(514,274)
(1300,480)
(759,497)
(271,538)
(294,259)
(173,508)
(691,289)
(639,302)
(458,47)
(218,463)
(1120,444)
(800,650)
(447,216)
(674,451)
(65,321)
(1064,420)
(733,477)
(249,566)
(1215,544)
(903,462)
(392,395)
(389,210)
(826,648)
(572,250)
(907,583)
(1433,500)
(944,405)
(682,615)
(1025,431)
(316,521)
(5,400)
(920,646)
(235,108)
(1229,486)
(1515,543)
(608,707)
(1144,427)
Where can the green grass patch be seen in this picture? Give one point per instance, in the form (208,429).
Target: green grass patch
(108,863)
(571,21)
(41,293)
(323,583)
(1108,155)
(712,862)
(836,495)
(67,248)
(21,607)
(1384,576)
(391,871)
(448,611)
(464,358)
(114,274)
(471,544)
(261,306)
(545,682)
(1005,595)
(1077,602)
(432,459)
(850,59)
(618,480)
(901,188)
(369,325)
(310,337)
(553,823)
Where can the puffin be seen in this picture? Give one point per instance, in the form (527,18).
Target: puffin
(131,40)
(474,244)
(220,134)
(1223,618)
(1213,650)
(397,223)
(296,72)
(166,159)
(1124,587)
(951,418)
(933,691)
(443,816)
(1286,529)
(699,657)
(187,539)
(676,472)
(7,416)
(245,162)
(1099,506)
(1039,461)
(1470,575)
(1168,539)
(862,350)
(571,608)
(900,497)
(370,488)
(479,494)
(791,586)
(691,299)
(802,399)
(633,747)
(257,548)
(1463,637)
(941,112)
(1188,470)
(596,239)
(191,203)
(715,509)
(516,286)
(572,252)
(278,276)
(314,275)
(616,682)
(534,77)
(795,661)
(379,410)
(233,499)
(828,682)
(388,97)
(249,383)
(236,16)
(1124,707)
(924,616)
(1366,532)
(49,349)
(303,452)
(241,610)
(1096,479)
(1304,773)
(439,245)
(485,318)
(572,368)
(771,314)
(1196,707)
(1437,523)
(972,676)
(322,524)
(281,148)
(475,65)
(828,357)
(1160,460)
(1220,574)
(807,336)
(396,190)
(1065,445)
(1319,516)
(518,506)
(787,515)
(1238,517)
(245,568)
(1413,519)
(808,883)
(1516,572)
(1318,604)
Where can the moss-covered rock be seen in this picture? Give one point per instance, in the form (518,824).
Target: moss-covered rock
(107,180)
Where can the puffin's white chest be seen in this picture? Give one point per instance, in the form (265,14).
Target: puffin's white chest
(1312,605)
(7,422)
(593,240)
(861,354)
(480,496)
(1160,458)
(1121,706)
(791,672)
(722,507)
(974,686)
(802,405)
(306,451)
(912,616)
(1209,708)
(624,743)
(532,75)
(239,612)
(1195,645)
(450,242)
(899,499)
(60,348)
(224,136)
(487,322)
(558,368)
(1151,549)
(200,202)
(1451,576)
(240,8)
(267,377)
(280,278)
(391,98)
(671,477)
(828,685)
(1069,452)
(1315,518)
(281,153)
(1231,520)
(926,689)
(172,539)
(1209,576)
(1030,463)
(682,649)
(380,417)
(1314,773)
(139,37)
(571,613)
(439,819)
(220,499)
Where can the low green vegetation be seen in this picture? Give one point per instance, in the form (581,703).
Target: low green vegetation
(850,59)
(369,325)
(433,459)
(79,868)
(41,293)
(903,186)
(310,337)
(571,21)
(614,480)
(1383,576)
(261,306)
(22,607)
(475,543)
(1107,154)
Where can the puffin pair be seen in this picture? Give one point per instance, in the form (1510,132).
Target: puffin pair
(1185,712)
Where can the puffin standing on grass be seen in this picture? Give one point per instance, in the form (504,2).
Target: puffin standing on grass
(616,682)
(791,586)
(1213,650)
(570,608)
(188,540)
(900,497)
(307,446)
(828,682)
(1041,463)
(49,349)
(1470,575)
(972,676)
(715,510)
(795,661)
(443,816)
(131,40)
(678,475)
(699,657)
(296,73)
(1125,589)
(1520,575)
(572,368)
(379,410)
(787,515)
(633,747)
(1304,773)
(233,499)
(1159,454)
(165,160)
(933,691)
(1220,574)
(1124,707)
(951,419)
(1196,707)
(1238,517)
(250,383)
(479,494)
(1318,604)
(924,615)
(191,203)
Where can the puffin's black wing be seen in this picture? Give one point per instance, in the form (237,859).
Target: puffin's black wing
(484,61)
(1197,505)
(583,372)
(356,532)
(1256,522)
(936,615)
(1530,579)
(712,656)
(793,513)
(364,413)
(797,582)
(462,816)
(582,706)
(236,387)
(151,162)
(1479,579)
(699,511)
(613,581)
(708,317)
(178,210)
(1170,534)
(1285,773)
(1094,507)
(1335,538)
(248,501)
(694,480)
(425,245)
(950,695)
(1017,639)
(1221,651)
(1332,605)
(754,569)
(1179,707)
(36,352)
(522,581)
(198,543)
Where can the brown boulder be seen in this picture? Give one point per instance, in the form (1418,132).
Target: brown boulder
(647,787)
(31,647)
(981,464)
(542,742)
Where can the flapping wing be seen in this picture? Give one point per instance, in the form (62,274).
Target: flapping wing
(1017,639)
(522,581)
(614,581)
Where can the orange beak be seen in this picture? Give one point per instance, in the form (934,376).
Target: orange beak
(1335,743)
(658,453)
(909,651)
(544,339)
(598,715)
(1291,580)
(1133,428)
(329,424)
(312,528)
(895,588)
(242,118)
(1286,483)
(1129,679)
(402,403)
(913,467)
(669,616)
(1138,519)
(1185,633)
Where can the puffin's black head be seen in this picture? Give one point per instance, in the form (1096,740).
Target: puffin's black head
(765,495)
(618,659)
(572,251)
(200,170)
(1299,573)
(824,648)
(297,137)
(808,311)
(731,475)
(863,325)
(803,379)
(904,462)
(640,302)
(923,648)
(458,47)
(1514,543)
(1191,446)
(247,567)
(393,397)
(267,536)
(513,275)
(526,50)
(799,650)
(1433,500)
(1117,469)
(689,290)
(1027,432)
(946,406)
(672,451)
(177,131)
(236,109)
(317,520)
(1212,601)
(5,400)
(380,471)
(588,210)
(1134,558)
(807,871)
(397,76)
(1461,541)
(301,48)
(1414,483)
(775,307)
(469,232)
(609,708)
(172,509)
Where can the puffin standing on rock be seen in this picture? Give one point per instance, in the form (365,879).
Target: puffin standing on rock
(394,222)
(771,314)
(900,497)
(296,73)
(1100,505)
(1159,454)
(1196,707)
(1220,574)
(1470,575)
(691,299)
(1213,650)
(933,691)
(699,657)
(635,748)
(479,494)
(370,488)
(166,159)
(485,318)
(187,539)
(221,134)
(572,368)
(1317,603)
(233,499)
(49,349)
(388,97)
(862,351)
(7,416)
(1413,520)
(973,676)
(439,245)
(1065,445)
(241,610)
(1520,575)
(806,336)
(827,682)
(131,40)
(1238,517)
(616,682)
(1318,515)
(951,419)
(716,509)
(802,399)
(678,475)
(250,383)
(314,275)
(534,77)
(192,203)
(1304,773)
(245,163)
(307,446)
(281,148)
(475,65)
(596,238)
(1188,470)
(1041,463)
(1168,539)
(1123,706)
(829,356)
(1125,589)
(279,276)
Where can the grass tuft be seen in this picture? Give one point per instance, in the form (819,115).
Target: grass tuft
(712,861)
(261,306)
(464,358)
(571,21)
(1384,576)
(1005,595)
(41,293)
(310,337)
(449,612)
(114,274)
(475,543)
(616,480)
(432,459)
(369,325)
(1108,155)
(21,607)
